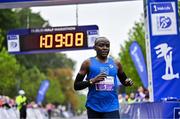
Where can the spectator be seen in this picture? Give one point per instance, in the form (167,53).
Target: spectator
(131,98)
(140,94)
(120,98)
(21,102)
(49,108)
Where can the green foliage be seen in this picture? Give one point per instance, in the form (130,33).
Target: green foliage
(30,80)
(45,61)
(63,77)
(9,69)
(1,40)
(81,101)
(29,19)
(137,33)
(8,20)
(27,71)
(54,93)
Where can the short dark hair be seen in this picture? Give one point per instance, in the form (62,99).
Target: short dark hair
(100,38)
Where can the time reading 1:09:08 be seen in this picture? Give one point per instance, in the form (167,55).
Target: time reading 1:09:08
(60,40)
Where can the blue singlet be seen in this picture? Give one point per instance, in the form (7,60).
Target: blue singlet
(103,97)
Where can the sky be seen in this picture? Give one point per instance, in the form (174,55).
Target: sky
(114,20)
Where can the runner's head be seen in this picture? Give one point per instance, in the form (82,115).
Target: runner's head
(102,47)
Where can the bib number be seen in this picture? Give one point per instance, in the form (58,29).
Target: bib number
(106,85)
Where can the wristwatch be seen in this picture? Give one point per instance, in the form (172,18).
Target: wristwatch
(90,82)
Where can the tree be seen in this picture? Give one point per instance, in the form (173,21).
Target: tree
(27,71)
(45,61)
(28,19)
(30,80)
(64,77)
(136,33)
(9,69)
(8,20)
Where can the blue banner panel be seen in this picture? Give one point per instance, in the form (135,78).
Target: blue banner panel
(42,91)
(164,48)
(139,62)
(154,110)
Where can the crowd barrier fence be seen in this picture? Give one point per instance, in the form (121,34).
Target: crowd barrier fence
(144,110)
(13,113)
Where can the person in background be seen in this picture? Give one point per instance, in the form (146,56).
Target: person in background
(140,94)
(131,98)
(49,108)
(101,74)
(21,102)
(120,98)
(126,97)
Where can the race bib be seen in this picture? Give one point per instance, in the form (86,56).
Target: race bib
(106,85)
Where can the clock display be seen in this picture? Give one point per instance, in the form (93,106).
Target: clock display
(62,40)
(52,39)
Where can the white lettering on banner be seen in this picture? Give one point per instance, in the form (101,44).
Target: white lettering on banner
(43,90)
(39,30)
(161,8)
(134,53)
(164,51)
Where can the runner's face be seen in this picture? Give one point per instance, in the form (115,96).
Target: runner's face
(102,48)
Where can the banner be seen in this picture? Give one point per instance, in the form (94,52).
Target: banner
(163,47)
(139,62)
(42,91)
(150,110)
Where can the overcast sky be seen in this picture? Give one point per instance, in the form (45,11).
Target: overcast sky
(114,20)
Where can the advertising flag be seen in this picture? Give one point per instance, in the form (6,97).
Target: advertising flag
(139,62)
(42,91)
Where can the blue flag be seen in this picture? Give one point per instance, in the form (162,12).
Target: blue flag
(138,59)
(42,91)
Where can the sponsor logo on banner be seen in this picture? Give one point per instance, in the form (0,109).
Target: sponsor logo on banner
(92,35)
(163,18)
(164,51)
(164,22)
(13,43)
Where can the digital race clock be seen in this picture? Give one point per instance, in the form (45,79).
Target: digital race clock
(53,39)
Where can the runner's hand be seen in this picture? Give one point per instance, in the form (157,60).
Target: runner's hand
(129,82)
(99,78)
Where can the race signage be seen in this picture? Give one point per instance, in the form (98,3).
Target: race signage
(163,41)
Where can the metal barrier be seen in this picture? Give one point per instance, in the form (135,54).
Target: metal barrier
(144,110)
(13,113)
